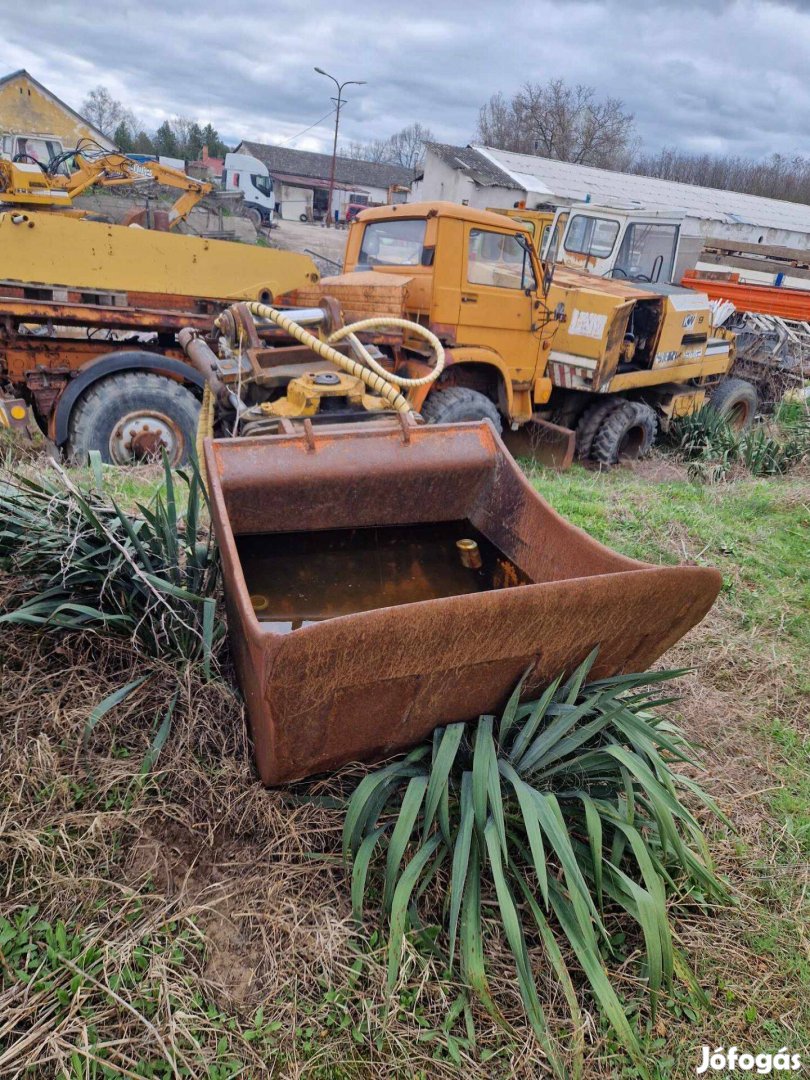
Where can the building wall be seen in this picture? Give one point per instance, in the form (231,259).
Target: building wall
(441,181)
(24,108)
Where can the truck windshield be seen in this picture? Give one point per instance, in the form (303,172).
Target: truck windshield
(591,236)
(264,184)
(647,251)
(392,243)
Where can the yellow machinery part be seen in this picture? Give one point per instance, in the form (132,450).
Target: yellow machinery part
(304,395)
(383,384)
(63,251)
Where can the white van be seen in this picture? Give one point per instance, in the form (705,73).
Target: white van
(250,176)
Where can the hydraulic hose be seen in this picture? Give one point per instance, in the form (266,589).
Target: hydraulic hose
(370,372)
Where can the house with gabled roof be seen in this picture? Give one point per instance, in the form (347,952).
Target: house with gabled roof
(27,108)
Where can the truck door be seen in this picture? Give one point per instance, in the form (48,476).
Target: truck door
(498,290)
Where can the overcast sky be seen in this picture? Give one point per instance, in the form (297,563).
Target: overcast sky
(698,74)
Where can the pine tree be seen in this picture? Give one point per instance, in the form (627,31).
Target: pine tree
(165,141)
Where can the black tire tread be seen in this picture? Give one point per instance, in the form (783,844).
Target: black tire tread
(589,423)
(730,391)
(616,423)
(127,385)
(449,406)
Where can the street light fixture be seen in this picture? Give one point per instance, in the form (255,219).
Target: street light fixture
(338,102)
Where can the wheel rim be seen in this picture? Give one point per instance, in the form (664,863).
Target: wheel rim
(631,443)
(737,415)
(142,436)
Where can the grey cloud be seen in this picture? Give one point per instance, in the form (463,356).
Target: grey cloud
(699,74)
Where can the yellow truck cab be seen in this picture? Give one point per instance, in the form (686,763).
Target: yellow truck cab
(607,359)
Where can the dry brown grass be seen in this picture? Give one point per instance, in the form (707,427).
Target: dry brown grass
(232,897)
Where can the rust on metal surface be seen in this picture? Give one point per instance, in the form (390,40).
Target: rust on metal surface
(365,685)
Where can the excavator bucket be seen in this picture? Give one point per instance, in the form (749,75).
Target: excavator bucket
(385,578)
(543,442)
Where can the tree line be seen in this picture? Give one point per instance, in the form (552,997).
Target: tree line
(180,137)
(571,123)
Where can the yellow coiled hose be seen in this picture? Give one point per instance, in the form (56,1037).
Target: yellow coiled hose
(373,374)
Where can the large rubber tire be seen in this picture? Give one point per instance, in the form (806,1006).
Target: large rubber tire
(736,400)
(626,433)
(589,423)
(254,216)
(458,403)
(161,412)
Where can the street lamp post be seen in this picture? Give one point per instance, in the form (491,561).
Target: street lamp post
(338,102)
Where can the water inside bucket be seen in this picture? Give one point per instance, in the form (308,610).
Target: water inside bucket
(295,579)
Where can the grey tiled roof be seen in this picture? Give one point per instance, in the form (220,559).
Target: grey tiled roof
(467,158)
(283,159)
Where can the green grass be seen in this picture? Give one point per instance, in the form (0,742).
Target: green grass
(756,532)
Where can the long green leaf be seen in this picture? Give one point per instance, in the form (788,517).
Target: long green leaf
(510,711)
(555,956)
(472,939)
(533,720)
(443,761)
(517,943)
(401,836)
(598,979)
(461,859)
(110,701)
(525,797)
(568,717)
(399,906)
(570,691)
(360,871)
(484,747)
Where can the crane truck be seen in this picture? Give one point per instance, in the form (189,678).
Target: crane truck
(89,310)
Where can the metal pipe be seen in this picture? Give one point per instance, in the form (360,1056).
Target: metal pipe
(204,360)
(314,316)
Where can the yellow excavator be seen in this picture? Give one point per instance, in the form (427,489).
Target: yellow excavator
(89,310)
(30,184)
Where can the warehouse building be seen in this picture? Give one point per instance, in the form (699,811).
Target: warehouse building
(301,181)
(28,108)
(482,176)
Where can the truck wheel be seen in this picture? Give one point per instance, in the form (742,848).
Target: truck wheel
(626,433)
(736,400)
(132,418)
(458,403)
(254,216)
(589,423)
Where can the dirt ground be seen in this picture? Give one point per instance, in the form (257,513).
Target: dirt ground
(304,236)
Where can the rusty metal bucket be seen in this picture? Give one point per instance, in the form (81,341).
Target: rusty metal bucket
(364,685)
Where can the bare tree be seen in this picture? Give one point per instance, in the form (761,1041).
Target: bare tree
(776,177)
(106,113)
(377,150)
(407,147)
(560,121)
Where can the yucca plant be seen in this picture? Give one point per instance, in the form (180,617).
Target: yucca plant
(713,448)
(84,563)
(558,818)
